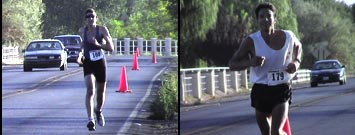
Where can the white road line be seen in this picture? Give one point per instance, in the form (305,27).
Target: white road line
(127,124)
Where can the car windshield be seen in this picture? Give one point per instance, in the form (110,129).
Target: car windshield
(326,65)
(44,46)
(69,41)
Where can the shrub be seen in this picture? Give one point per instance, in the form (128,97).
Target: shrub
(166,104)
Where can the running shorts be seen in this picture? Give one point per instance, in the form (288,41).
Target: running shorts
(264,98)
(97,68)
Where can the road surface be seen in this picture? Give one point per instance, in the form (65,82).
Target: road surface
(49,101)
(325,110)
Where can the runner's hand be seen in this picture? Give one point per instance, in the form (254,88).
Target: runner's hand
(94,41)
(79,59)
(257,61)
(291,68)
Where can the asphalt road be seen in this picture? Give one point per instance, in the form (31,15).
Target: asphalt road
(49,101)
(325,110)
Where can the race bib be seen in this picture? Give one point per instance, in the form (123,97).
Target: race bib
(96,55)
(277,77)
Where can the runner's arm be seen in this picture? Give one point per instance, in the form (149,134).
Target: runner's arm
(108,38)
(241,59)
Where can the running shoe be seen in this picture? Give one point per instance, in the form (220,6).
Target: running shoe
(100,118)
(91,125)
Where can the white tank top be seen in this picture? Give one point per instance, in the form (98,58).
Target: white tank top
(272,72)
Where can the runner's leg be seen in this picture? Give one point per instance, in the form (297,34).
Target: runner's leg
(263,121)
(90,92)
(279,115)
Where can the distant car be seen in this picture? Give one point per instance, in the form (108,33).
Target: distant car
(45,53)
(328,71)
(73,43)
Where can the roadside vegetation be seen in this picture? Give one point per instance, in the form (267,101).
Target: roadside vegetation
(165,106)
(26,20)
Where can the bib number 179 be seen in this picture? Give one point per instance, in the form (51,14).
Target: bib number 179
(276,76)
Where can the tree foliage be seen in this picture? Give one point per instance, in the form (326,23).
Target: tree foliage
(316,26)
(196,18)
(124,18)
(235,21)
(21,21)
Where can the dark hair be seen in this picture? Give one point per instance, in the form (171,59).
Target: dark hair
(90,10)
(267,5)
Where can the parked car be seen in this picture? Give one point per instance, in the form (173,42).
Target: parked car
(45,53)
(328,71)
(73,43)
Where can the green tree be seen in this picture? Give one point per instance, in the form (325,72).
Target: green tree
(196,18)
(151,19)
(235,21)
(21,22)
(67,16)
(316,26)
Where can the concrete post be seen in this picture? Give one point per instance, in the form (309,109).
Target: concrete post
(167,46)
(153,45)
(223,81)
(182,87)
(126,46)
(140,46)
(196,85)
(244,79)
(114,46)
(210,83)
(234,80)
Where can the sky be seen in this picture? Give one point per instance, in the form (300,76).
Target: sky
(348,2)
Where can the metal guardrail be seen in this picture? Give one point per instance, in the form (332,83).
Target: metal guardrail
(197,81)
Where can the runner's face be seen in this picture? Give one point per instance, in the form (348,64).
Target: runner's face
(266,19)
(91,18)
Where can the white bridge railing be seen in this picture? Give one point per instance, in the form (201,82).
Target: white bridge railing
(166,47)
(198,81)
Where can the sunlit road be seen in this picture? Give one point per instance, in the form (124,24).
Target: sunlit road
(49,101)
(325,110)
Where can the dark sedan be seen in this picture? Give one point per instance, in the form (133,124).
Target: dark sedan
(328,71)
(45,53)
(72,43)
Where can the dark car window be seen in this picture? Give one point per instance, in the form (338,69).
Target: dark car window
(326,65)
(69,41)
(44,46)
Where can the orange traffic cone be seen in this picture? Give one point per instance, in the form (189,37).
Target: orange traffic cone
(137,51)
(123,82)
(135,62)
(154,58)
(287,127)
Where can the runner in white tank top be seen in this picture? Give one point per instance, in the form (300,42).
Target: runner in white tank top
(273,70)
(273,57)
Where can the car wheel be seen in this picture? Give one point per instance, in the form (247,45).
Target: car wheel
(26,68)
(314,84)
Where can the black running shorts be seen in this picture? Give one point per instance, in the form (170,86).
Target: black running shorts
(97,68)
(264,98)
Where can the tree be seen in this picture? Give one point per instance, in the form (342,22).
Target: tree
(196,18)
(316,26)
(67,16)
(21,22)
(235,21)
